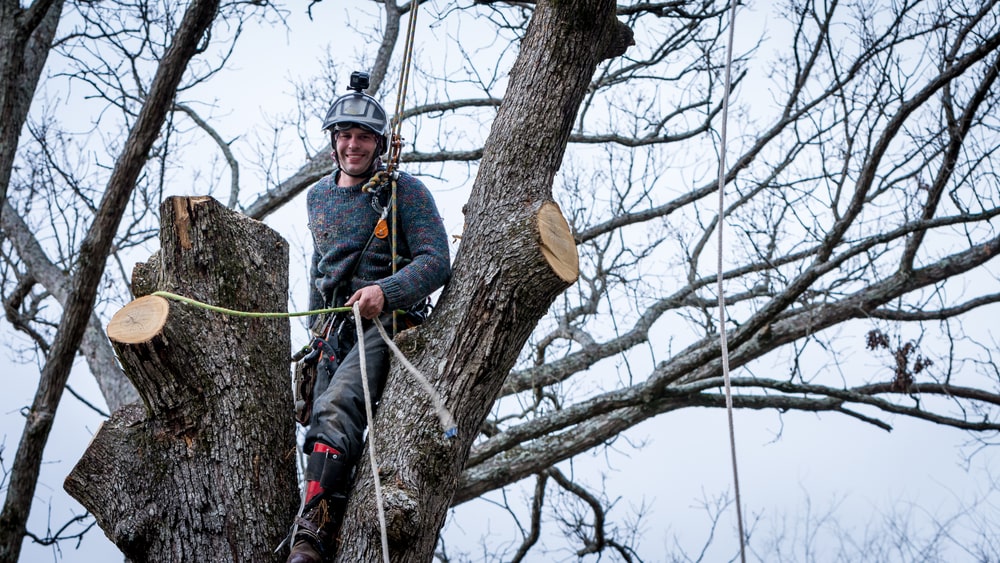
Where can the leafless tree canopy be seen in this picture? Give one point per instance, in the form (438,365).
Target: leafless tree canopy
(861,190)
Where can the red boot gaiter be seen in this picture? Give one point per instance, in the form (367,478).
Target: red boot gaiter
(313,488)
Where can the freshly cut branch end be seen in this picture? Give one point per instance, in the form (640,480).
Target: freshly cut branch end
(557,242)
(139,321)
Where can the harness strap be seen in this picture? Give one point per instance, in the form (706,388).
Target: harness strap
(376,185)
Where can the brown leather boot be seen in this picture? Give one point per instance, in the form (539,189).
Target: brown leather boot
(313,539)
(326,483)
(303,552)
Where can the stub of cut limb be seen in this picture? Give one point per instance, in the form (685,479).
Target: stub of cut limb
(557,244)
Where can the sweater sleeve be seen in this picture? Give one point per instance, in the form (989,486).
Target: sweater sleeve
(316,300)
(429,267)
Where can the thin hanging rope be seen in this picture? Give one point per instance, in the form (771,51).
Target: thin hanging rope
(724,346)
(371,434)
(395,140)
(395,249)
(444,416)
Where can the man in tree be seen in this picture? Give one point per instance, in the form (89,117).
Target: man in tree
(350,218)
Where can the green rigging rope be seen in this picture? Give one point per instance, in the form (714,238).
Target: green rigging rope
(235,313)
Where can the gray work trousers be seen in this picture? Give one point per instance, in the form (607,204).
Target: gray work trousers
(338,416)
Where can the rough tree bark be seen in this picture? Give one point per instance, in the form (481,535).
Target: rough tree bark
(209,458)
(203,469)
(90,259)
(489,308)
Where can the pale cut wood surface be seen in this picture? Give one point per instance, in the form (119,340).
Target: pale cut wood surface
(139,321)
(558,245)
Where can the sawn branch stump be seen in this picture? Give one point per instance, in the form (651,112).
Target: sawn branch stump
(203,469)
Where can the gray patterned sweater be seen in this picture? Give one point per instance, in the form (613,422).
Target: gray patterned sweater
(342,220)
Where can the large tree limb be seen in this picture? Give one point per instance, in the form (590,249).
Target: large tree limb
(522,450)
(215,419)
(90,265)
(115,387)
(25,38)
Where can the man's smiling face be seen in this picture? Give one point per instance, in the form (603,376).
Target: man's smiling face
(355,150)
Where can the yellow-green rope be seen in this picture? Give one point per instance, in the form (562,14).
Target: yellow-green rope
(235,313)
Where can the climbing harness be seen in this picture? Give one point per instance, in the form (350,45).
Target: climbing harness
(322,355)
(723,344)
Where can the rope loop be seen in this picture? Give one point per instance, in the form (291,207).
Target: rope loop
(377,179)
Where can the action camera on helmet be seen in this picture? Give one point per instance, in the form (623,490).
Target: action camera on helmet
(359,81)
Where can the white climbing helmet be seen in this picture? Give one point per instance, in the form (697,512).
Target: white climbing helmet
(358,109)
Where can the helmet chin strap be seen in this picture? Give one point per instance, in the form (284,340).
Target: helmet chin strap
(368,173)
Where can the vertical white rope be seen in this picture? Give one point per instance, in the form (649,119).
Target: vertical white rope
(723,344)
(395,126)
(447,422)
(371,433)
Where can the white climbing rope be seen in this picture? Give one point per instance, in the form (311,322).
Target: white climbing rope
(371,433)
(724,345)
(447,421)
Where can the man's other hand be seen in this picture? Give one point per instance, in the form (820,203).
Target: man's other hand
(370,300)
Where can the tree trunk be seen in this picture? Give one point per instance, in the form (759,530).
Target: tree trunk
(90,259)
(203,469)
(25,39)
(510,268)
